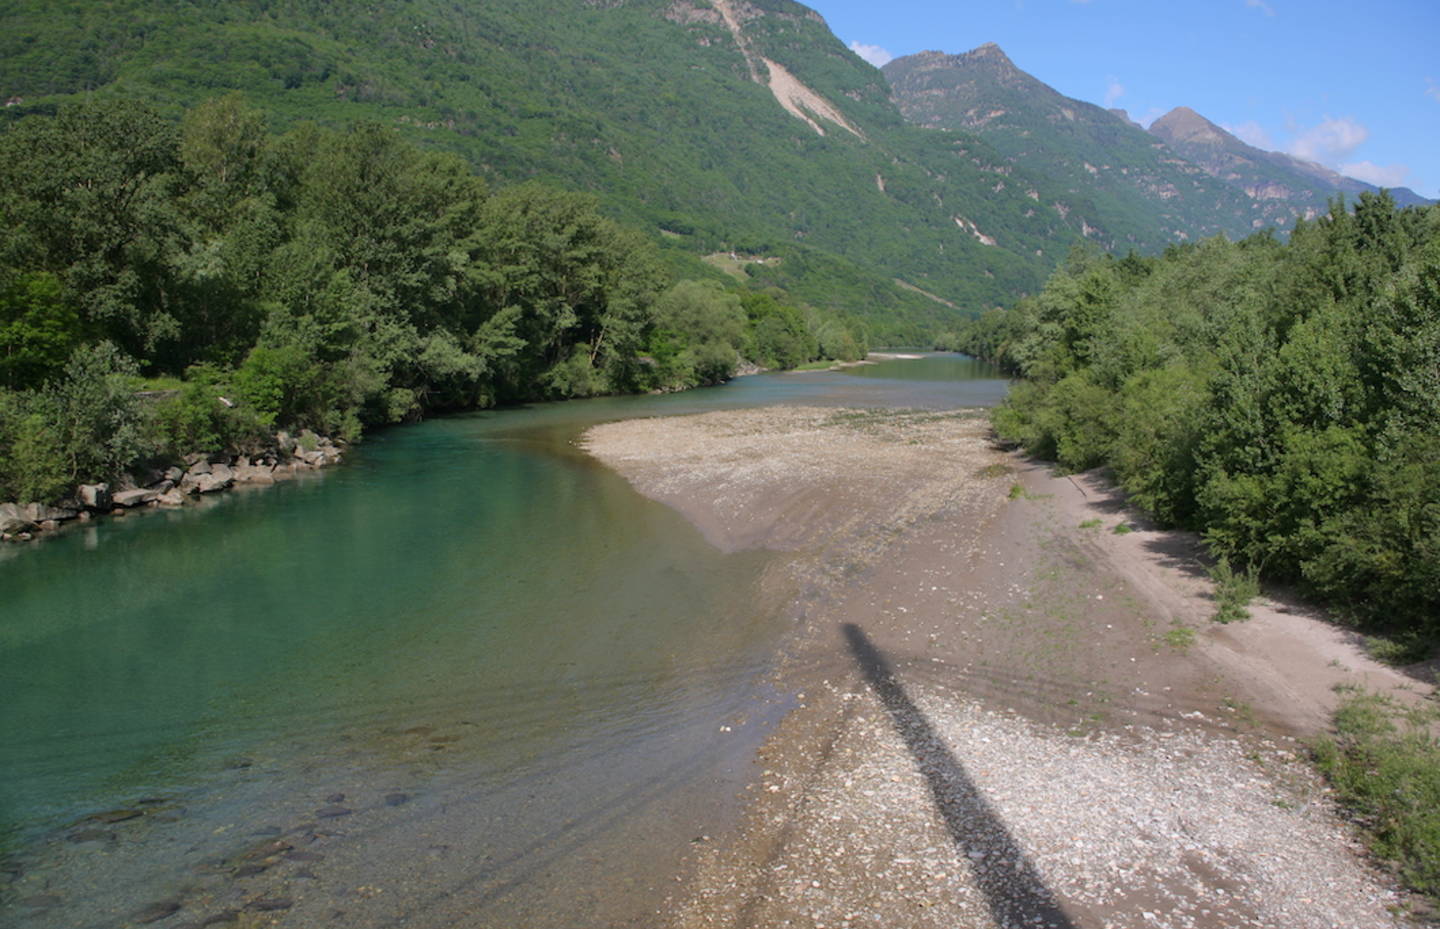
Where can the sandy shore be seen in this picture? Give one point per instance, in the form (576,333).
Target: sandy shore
(1008,714)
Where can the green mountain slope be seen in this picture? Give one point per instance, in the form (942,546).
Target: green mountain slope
(743,127)
(1183,179)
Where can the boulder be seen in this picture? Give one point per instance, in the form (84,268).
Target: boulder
(95,496)
(253,474)
(41,513)
(211,483)
(198,468)
(222,472)
(216,458)
(13,519)
(171,498)
(133,498)
(173,475)
(285,442)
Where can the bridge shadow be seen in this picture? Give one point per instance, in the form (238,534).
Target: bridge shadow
(1014,890)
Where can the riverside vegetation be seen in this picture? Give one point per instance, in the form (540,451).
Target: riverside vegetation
(170,289)
(1284,401)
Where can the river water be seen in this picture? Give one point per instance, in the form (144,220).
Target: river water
(470,677)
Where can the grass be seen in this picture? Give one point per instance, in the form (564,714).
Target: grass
(1180,637)
(1090,524)
(1384,763)
(1017,492)
(1233,591)
(1122,529)
(823,365)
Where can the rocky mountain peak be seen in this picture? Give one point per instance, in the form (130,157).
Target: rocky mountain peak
(1184,125)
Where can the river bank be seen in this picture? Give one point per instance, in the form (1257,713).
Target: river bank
(1008,712)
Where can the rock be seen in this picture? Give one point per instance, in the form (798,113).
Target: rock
(396,799)
(250,870)
(210,483)
(110,817)
(253,474)
(173,475)
(216,458)
(163,487)
(222,472)
(90,835)
(267,849)
(335,798)
(332,812)
(40,513)
(270,904)
(133,498)
(171,498)
(154,912)
(219,919)
(198,468)
(13,519)
(304,856)
(94,496)
(49,525)
(285,442)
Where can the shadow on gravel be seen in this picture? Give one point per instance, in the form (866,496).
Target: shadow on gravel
(1013,888)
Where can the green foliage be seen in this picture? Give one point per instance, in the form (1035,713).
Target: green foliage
(1233,591)
(676,138)
(37,329)
(1280,399)
(1384,763)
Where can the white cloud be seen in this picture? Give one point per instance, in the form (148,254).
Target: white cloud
(1262,6)
(1114,90)
(1379,175)
(1331,141)
(874,54)
(1252,133)
(1432,89)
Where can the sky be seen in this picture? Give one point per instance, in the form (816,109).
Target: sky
(1353,86)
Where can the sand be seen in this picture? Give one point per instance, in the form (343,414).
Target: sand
(1007,713)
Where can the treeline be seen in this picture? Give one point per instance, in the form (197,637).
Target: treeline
(1283,399)
(329,280)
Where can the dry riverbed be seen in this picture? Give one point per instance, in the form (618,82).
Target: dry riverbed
(1008,714)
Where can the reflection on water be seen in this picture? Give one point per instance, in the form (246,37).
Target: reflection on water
(470,672)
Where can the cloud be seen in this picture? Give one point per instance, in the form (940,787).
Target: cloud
(1432,89)
(1262,6)
(1252,133)
(1331,141)
(1379,175)
(1114,90)
(874,54)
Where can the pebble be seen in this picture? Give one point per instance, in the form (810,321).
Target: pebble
(332,812)
(154,912)
(396,799)
(270,904)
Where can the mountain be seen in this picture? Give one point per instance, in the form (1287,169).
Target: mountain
(1184,178)
(740,130)
(1262,175)
(1142,195)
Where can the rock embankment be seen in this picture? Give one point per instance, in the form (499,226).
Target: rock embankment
(174,485)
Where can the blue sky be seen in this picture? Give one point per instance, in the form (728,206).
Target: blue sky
(1355,87)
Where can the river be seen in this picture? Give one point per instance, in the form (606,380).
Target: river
(469,677)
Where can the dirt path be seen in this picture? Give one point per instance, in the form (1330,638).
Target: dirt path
(998,720)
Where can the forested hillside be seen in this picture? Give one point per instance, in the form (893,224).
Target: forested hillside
(318,279)
(667,110)
(1283,399)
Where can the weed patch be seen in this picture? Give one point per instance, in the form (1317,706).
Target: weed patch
(1384,763)
(1233,591)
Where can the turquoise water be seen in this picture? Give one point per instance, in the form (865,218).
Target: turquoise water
(514,669)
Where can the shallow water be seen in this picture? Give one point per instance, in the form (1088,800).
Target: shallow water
(533,687)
